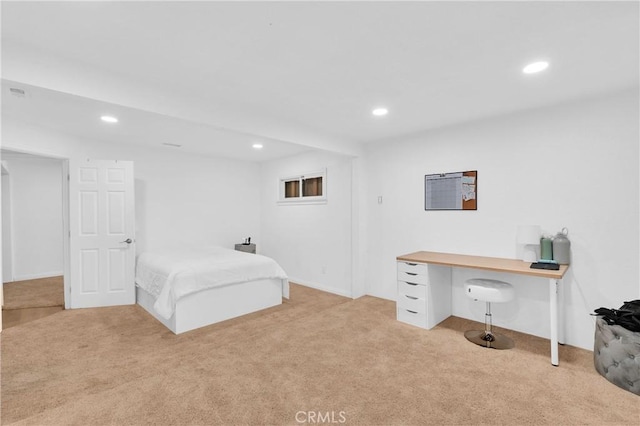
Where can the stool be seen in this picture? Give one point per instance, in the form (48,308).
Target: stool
(616,355)
(489,291)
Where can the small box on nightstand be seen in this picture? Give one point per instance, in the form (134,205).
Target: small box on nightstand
(247,248)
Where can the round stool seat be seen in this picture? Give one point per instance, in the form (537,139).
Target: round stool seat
(489,290)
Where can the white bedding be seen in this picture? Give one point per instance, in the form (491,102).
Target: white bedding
(168,276)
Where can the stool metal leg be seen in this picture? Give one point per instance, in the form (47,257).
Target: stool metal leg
(488,338)
(488,325)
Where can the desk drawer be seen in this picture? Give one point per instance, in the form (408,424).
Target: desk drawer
(413,277)
(416,268)
(419,319)
(411,303)
(415,290)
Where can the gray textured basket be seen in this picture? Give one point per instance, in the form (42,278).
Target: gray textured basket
(616,355)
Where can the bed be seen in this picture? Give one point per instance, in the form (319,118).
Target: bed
(189,289)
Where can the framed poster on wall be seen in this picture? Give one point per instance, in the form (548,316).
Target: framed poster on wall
(451,191)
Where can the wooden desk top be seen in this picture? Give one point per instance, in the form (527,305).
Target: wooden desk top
(515,266)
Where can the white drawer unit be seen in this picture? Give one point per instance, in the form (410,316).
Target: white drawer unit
(413,278)
(410,289)
(411,303)
(413,318)
(418,285)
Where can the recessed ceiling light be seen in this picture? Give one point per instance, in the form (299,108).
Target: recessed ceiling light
(380,112)
(535,67)
(257,146)
(109,119)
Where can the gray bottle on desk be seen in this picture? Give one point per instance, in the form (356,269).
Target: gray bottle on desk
(562,247)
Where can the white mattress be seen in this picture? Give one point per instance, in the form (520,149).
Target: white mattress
(171,275)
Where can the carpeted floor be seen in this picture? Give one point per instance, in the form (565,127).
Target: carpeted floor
(39,293)
(26,301)
(318,358)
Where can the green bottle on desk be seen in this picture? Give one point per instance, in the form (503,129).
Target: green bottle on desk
(546,248)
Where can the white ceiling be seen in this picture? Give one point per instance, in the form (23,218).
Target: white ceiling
(218,76)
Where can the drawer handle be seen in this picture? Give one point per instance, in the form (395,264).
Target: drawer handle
(406,282)
(410,297)
(411,273)
(413,312)
(411,264)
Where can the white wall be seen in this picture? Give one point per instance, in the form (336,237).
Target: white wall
(7,262)
(35,205)
(181,199)
(311,242)
(573,165)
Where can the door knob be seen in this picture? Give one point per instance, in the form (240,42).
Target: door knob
(128,241)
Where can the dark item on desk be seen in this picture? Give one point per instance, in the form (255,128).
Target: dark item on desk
(628,316)
(545,265)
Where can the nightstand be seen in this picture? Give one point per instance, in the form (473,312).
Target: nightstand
(247,248)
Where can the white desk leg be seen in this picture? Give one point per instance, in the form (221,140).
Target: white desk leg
(553,310)
(561,319)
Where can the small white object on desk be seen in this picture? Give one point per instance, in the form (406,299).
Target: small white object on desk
(528,239)
(247,248)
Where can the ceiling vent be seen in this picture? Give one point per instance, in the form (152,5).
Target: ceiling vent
(17,92)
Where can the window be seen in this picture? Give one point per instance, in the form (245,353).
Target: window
(304,189)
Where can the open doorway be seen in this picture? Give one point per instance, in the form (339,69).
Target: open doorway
(32,243)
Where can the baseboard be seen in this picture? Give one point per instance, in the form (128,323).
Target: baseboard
(320,287)
(38,276)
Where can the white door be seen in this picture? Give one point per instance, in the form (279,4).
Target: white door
(101,227)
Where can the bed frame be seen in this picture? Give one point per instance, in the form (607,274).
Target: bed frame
(216,304)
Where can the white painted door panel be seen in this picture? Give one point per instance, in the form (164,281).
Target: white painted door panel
(102,240)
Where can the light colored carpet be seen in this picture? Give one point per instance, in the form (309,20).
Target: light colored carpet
(13,317)
(40,293)
(316,353)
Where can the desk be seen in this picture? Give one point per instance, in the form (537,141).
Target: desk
(514,266)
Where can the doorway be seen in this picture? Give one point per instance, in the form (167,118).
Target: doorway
(7,262)
(32,238)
